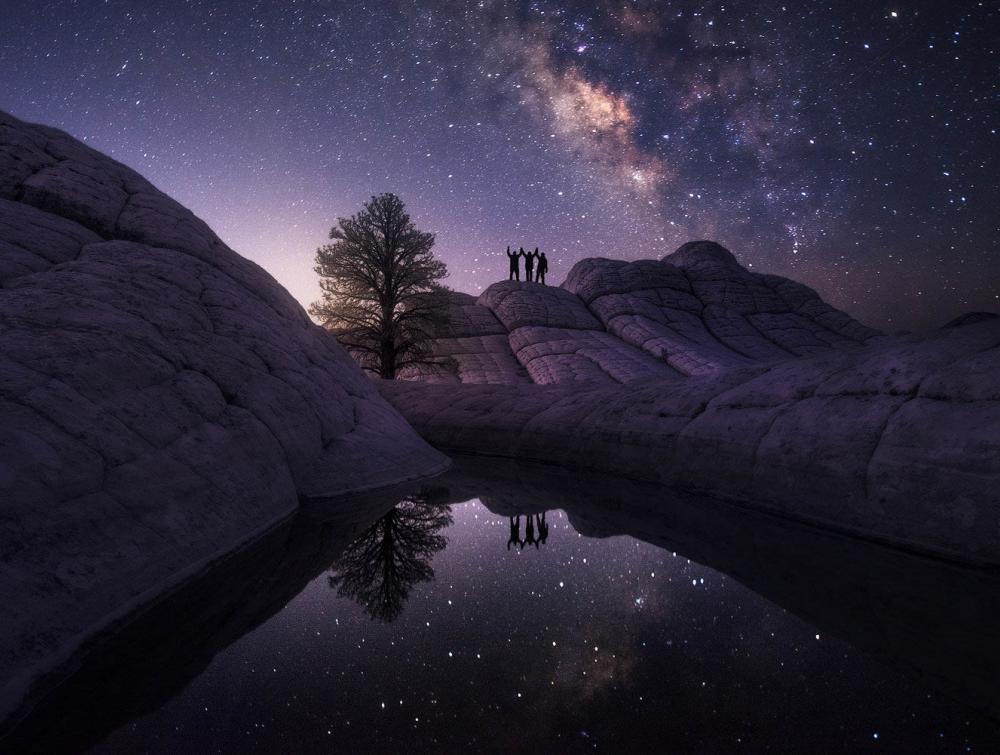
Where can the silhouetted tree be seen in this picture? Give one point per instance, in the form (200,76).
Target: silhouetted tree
(378,569)
(379,279)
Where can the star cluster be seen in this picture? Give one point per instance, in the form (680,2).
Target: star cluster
(850,146)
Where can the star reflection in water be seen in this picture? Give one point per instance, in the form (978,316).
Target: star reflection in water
(648,619)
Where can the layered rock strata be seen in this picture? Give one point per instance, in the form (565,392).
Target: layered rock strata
(898,440)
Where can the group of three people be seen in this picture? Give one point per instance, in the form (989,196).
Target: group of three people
(535,265)
(529,531)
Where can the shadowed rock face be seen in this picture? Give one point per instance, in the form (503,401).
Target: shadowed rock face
(471,346)
(162,399)
(695,312)
(135,668)
(898,440)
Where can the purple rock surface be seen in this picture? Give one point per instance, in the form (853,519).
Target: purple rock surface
(162,400)
(773,399)
(695,312)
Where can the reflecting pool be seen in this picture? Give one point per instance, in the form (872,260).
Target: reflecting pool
(512,607)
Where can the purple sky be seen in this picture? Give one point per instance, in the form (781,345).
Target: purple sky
(851,147)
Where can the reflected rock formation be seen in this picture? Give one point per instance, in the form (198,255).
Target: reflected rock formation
(135,668)
(925,615)
(378,569)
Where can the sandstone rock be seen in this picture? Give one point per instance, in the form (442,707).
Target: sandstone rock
(898,440)
(694,372)
(696,312)
(969,318)
(471,346)
(162,400)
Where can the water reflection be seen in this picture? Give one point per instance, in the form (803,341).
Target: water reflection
(920,614)
(378,569)
(532,523)
(131,672)
(930,618)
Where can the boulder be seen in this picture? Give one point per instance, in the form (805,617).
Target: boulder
(162,400)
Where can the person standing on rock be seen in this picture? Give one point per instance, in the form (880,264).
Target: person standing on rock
(515,265)
(543,267)
(529,265)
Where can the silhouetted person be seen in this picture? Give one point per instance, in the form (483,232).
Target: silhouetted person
(515,533)
(529,532)
(515,265)
(543,528)
(543,267)
(529,265)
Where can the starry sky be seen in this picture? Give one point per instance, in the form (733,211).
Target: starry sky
(852,146)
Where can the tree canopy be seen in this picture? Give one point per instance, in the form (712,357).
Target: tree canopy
(380,290)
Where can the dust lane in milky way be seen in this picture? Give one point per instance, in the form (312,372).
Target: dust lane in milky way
(852,148)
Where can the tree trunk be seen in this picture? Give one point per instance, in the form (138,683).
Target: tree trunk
(388,359)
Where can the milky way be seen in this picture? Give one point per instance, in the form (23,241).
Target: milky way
(853,147)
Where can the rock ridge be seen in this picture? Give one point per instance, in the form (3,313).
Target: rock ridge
(697,311)
(694,372)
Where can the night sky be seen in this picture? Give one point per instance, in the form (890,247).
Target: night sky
(852,146)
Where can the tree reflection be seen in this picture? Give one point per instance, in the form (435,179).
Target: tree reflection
(378,569)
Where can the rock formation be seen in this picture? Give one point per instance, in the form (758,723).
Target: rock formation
(693,372)
(695,312)
(916,613)
(162,399)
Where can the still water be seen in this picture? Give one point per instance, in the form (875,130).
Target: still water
(511,608)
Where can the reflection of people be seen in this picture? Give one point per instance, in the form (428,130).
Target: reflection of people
(515,265)
(543,267)
(529,264)
(529,532)
(515,532)
(378,569)
(532,524)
